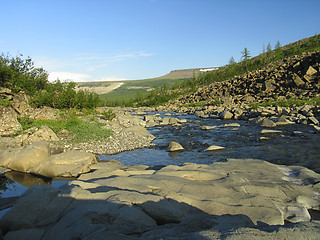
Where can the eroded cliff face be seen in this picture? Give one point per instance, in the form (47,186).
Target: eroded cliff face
(296,76)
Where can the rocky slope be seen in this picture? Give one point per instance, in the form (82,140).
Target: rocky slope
(296,76)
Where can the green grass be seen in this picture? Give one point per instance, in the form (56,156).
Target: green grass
(5,102)
(82,131)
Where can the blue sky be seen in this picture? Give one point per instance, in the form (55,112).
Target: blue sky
(86,40)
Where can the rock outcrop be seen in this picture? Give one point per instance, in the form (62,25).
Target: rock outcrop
(37,159)
(137,202)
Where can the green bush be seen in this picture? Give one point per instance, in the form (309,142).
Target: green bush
(108,115)
(18,74)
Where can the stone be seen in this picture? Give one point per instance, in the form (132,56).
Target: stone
(214,148)
(269,131)
(263,139)
(231,125)
(182,120)
(313,120)
(8,121)
(311,71)
(269,85)
(267,123)
(23,159)
(297,80)
(138,130)
(66,164)
(208,127)
(174,146)
(173,121)
(44,133)
(165,121)
(225,115)
(20,103)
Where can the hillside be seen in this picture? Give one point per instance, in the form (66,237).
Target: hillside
(296,77)
(240,72)
(123,92)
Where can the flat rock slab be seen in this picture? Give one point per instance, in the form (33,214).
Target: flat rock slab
(135,202)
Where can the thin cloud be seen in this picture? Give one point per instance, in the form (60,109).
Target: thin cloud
(68,76)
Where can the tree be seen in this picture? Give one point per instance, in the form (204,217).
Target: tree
(232,61)
(245,54)
(278,50)
(269,47)
(278,45)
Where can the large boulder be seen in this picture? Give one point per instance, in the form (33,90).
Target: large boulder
(23,159)
(8,121)
(66,164)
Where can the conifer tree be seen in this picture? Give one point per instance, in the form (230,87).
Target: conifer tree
(232,61)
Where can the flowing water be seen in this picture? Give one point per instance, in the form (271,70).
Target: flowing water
(296,145)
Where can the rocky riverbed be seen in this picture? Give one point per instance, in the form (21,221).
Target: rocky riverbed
(236,199)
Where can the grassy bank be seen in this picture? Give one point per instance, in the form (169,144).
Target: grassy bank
(79,126)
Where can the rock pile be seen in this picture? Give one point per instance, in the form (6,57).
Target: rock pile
(297,76)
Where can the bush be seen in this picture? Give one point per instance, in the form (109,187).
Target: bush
(109,115)
(18,74)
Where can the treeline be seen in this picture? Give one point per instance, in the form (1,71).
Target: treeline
(246,64)
(20,74)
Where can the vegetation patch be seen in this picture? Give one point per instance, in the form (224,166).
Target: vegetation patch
(81,130)
(20,74)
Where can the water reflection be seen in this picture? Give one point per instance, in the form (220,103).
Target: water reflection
(27,180)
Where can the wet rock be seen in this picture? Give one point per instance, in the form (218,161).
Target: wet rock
(269,131)
(267,123)
(213,148)
(225,115)
(231,125)
(174,146)
(208,127)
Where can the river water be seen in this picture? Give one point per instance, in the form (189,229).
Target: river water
(296,145)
